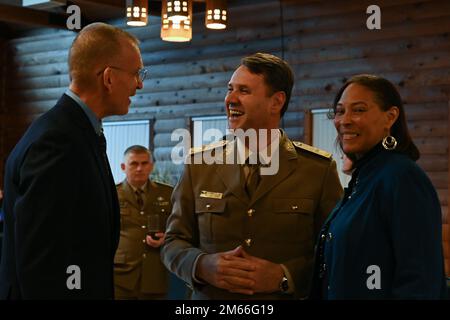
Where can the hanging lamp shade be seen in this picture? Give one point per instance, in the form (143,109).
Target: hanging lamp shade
(137,13)
(175,30)
(178,10)
(216,14)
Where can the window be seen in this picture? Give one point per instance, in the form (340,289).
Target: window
(324,137)
(119,136)
(201,124)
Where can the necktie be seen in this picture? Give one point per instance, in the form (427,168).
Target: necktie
(253,179)
(102,139)
(140,200)
(102,143)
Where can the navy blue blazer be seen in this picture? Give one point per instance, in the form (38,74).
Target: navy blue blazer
(384,239)
(61,209)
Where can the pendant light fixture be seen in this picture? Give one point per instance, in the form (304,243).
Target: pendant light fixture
(178,10)
(176,30)
(137,13)
(216,14)
(176,17)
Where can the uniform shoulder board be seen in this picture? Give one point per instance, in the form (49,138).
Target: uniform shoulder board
(312,149)
(163,184)
(210,146)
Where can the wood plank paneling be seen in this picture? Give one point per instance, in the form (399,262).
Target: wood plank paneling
(325,43)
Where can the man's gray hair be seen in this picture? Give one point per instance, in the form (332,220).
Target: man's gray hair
(138,149)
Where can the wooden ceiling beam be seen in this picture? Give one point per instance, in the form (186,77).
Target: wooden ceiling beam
(116,3)
(34,17)
(111,3)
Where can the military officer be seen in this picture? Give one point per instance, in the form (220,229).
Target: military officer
(233,236)
(138,270)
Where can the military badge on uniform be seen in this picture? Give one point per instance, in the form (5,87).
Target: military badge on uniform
(211,195)
(160,202)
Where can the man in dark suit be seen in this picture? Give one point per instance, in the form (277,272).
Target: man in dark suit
(61,208)
(234,233)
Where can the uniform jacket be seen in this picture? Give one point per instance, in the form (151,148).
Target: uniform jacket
(135,260)
(212,213)
(389,224)
(61,210)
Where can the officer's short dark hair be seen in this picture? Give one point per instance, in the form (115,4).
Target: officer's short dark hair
(138,149)
(277,73)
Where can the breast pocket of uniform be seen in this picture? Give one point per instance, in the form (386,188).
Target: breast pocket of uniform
(294,219)
(208,211)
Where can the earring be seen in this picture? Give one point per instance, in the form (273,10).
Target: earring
(389,143)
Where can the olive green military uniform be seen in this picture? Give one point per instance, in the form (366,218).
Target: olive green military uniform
(137,266)
(213,213)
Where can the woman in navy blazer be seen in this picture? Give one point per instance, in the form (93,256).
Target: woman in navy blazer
(383,240)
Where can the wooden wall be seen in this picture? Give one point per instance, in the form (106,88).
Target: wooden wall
(323,41)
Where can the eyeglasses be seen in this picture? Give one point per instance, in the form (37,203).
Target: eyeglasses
(141,73)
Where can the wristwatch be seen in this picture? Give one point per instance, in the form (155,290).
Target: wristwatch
(284,285)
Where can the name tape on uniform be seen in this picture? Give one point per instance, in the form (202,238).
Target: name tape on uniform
(211,195)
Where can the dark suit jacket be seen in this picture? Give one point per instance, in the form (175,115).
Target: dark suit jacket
(384,240)
(61,209)
(212,213)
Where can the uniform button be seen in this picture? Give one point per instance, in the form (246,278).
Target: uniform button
(144,256)
(328,287)
(294,207)
(329,236)
(143,241)
(208,206)
(162,210)
(248,242)
(142,212)
(143,227)
(322,236)
(250,212)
